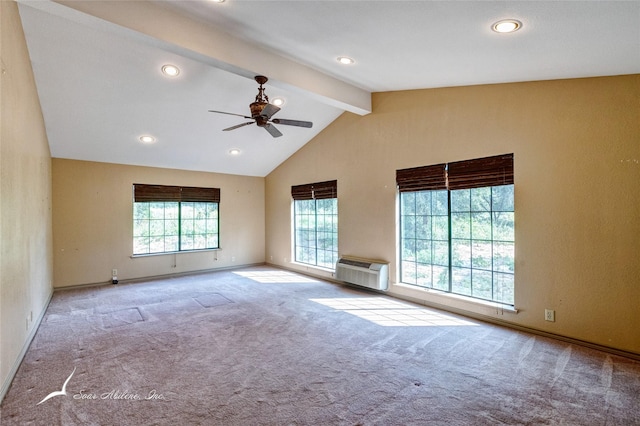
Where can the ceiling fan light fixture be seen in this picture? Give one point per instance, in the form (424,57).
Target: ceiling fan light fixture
(147,139)
(345,60)
(170,70)
(506,26)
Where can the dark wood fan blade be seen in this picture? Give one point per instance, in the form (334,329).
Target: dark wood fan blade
(229,113)
(273,131)
(236,126)
(269,110)
(292,122)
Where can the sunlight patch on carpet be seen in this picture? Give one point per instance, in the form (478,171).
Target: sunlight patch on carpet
(391,313)
(281,277)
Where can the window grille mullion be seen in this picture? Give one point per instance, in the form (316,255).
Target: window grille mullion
(149,234)
(415,245)
(179,226)
(315,229)
(493,269)
(450,243)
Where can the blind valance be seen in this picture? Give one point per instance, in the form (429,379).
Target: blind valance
(422,178)
(315,191)
(481,172)
(159,193)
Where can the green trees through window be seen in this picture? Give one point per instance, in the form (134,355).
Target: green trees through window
(467,248)
(316,232)
(163,227)
(169,219)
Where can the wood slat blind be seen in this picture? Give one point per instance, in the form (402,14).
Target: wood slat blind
(302,192)
(422,178)
(315,191)
(163,193)
(195,194)
(481,172)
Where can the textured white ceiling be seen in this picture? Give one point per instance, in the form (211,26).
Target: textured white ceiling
(97,66)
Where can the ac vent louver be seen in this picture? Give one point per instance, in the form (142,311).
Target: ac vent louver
(357,263)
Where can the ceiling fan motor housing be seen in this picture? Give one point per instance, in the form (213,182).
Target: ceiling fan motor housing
(256,113)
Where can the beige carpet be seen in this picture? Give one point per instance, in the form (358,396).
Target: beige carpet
(262,346)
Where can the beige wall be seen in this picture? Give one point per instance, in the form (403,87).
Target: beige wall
(93,225)
(576,146)
(25,199)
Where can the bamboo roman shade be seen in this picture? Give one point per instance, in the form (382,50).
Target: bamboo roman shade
(427,178)
(489,171)
(481,172)
(315,191)
(159,193)
(206,195)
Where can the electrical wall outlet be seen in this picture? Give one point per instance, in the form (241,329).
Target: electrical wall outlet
(114,272)
(549,315)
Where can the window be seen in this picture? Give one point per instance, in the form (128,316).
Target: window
(457,227)
(315,211)
(169,219)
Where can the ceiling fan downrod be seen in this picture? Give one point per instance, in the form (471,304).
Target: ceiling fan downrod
(261,97)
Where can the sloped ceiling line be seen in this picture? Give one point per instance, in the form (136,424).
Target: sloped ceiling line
(197,41)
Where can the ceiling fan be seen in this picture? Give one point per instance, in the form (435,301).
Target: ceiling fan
(262,111)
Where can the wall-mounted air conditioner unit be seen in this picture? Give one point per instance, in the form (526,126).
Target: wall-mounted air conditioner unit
(363,273)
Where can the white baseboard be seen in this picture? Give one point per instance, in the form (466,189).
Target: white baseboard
(154,277)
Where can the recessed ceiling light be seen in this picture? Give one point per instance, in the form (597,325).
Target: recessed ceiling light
(278,102)
(147,139)
(345,60)
(170,70)
(234,151)
(506,26)
(217,1)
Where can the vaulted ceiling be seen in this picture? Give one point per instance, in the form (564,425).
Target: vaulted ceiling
(97,66)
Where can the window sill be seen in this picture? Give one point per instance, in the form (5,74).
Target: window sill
(133,256)
(458,297)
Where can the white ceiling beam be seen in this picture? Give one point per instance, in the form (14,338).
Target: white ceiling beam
(157,25)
